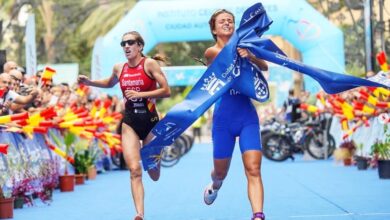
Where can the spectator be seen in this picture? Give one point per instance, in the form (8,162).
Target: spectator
(9,65)
(197,128)
(291,110)
(10,96)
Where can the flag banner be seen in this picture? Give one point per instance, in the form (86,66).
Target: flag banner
(2,92)
(48,74)
(4,148)
(230,71)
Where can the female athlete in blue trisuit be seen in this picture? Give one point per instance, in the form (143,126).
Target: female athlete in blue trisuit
(234,116)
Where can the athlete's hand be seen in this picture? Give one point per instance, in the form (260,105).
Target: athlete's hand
(245,53)
(83,79)
(131,94)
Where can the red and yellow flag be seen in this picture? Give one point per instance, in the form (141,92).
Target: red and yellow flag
(381,57)
(4,148)
(2,91)
(8,118)
(82,90)
(48,74)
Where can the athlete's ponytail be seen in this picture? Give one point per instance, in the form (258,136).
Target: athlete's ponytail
(160,58)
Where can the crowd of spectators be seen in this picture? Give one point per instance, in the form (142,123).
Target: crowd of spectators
(20,93)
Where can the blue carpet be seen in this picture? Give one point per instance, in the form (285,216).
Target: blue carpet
(293,190)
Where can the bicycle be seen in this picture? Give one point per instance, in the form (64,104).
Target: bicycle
(282,143)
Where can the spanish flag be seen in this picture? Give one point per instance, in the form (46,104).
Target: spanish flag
(151,105)
(8,118)
(48,74)
(4,148)
(82,90)
(2,91)
(381,57)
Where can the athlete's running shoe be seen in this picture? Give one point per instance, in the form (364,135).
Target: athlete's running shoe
(210,194)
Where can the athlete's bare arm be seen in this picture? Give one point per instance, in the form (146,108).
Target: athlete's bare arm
(103,83)
(211,53)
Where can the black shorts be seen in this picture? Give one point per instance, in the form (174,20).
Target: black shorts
(141,123)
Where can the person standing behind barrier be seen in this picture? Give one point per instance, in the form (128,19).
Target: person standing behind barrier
(197,128)
(234,116)
(9,97)
(291,110)
(137,77)
(10,65)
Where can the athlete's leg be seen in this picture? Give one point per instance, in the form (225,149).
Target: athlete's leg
(252,164)
(220,171)
(154,173)
(251,155)
(131,152)
(223,146)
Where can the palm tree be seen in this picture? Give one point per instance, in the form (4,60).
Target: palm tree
(78,19)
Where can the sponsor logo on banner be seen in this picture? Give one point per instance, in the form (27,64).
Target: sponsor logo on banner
(167,126)
(261,87)
(253,14)
(234,92)
(236,71)
(168,131)
(212,84)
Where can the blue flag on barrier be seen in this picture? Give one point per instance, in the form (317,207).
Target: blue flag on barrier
(225,73)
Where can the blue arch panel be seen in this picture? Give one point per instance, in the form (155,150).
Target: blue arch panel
(320,42)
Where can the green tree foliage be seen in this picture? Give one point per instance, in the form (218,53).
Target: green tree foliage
(182,53)
(66,30)
(350,17)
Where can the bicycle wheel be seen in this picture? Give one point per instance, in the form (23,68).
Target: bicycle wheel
(189,141)
(118,160)
(170,156)
(276,147)
(314,145)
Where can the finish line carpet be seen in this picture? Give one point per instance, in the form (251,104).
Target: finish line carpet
(293,190)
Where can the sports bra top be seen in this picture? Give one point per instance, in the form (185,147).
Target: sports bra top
(135,78)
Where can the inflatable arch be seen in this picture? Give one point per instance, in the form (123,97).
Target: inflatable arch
(319,42)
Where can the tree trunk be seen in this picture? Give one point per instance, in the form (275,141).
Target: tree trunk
(47,14)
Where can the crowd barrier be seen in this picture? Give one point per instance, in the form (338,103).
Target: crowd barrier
(31,160)
(31,154)
(24,150)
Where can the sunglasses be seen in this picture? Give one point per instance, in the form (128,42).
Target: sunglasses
(129,42)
